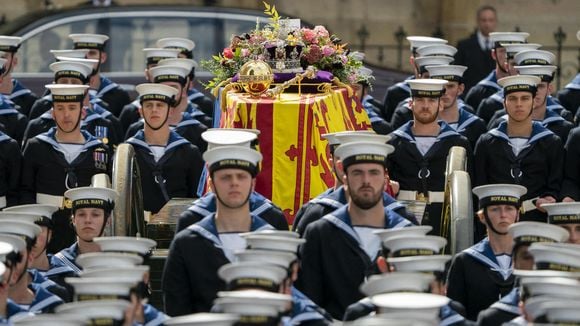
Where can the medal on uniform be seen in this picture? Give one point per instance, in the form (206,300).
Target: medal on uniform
(101,132)
(100,157)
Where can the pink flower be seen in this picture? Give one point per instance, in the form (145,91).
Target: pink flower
(344,59)
(314,54)
(245,52)
(309,35)
(228,53)
(321,31)
(327,51)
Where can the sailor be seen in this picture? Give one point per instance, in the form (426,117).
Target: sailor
(75,72)
(566,216)
(31,297)
(10,165)
(400,91)
(482,274)
(63,158)
(170,165)
(521,151)
(329,201)
(455,113)
(101,86)
(180,120)
(91,212)
(488,86)
(423,145)
(206,205)
(12,121)
(190,280)
(186,47)
(130,112)
(11,87)
(403,113)
(523,234)
(343,241)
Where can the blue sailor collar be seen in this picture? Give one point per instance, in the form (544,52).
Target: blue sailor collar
(39,277)
(193,94)
(18,89)
(449,316)
(4,137)
(369,108)
(12,309)
(553,104)
(206,204)
(551,116)
(47,115)
(136,103)
(575,83)
(64,262)
(187,120)
(193,110)
(106,86)
(152,316)
(483,253)
(90,116)
(510,302)
(174,141)
(341,219)
(538,132)
(497,96)
(6,106)
(98,108)
(445,130)
(465,118)
(303,309)
(404,85)
(207,228)
(490,81)
(43,299)
(50,138)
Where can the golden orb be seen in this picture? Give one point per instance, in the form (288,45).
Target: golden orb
(256,77)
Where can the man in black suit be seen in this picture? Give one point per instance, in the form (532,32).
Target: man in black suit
(475,52)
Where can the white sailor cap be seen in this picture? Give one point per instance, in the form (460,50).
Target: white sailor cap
(273,233)
(10,43)
(71,69)
(435,263)
(405,246)
(499,194)
(546,73)
(363,152)
(411,231)
(512,48)
(67,93)
(554,258)
(278,258)
(535,307)
(156,92)
(70,53)
(396,319)
(216,137)
(89,41)
(563,213)
(410,302)
(36,209)
(553,286)
(92,197)
(20,228)
(89,62)
(563,312)
(333,140)
(133,274)
(519,83)
(49,320)
(233,157)
(168,73)
(346,137)
(93,260)
(427,87)
(252,303)
(265,241)
(90,288)
(499,38)
(136,245)
(204,319)
(447,72)
(534,57)
(396,282)
(419,41)
(436,49)
(154,55)
(95,309)
(252,275)
(18,216)
(188,64)
(528,232)
(435,60)
(183,44)
(17,243)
